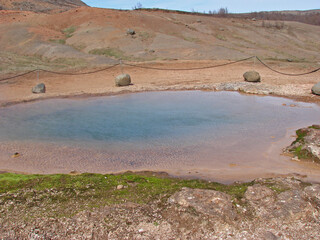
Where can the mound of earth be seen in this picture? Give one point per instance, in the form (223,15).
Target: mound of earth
(87,37)
(40,5)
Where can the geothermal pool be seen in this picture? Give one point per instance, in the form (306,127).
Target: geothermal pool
(222,136)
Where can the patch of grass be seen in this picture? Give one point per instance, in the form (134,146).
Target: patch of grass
(221,37)
(110,52)
(59,41)
(69,31)
(144,35)
(192,39)
(14,63)
(69,62)
(79,46)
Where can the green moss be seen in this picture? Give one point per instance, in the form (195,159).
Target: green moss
(62,195)
(315,127)
(300,136)
(302,153)
(138,188)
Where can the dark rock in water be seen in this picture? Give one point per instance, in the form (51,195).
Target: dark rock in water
(307,144)
(316,89)
(123,80)
(40,88)
(252,76)
(131,32)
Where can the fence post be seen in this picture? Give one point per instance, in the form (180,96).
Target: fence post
(121,66)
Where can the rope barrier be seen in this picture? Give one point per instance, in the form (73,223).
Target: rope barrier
(188,69)
(287,74)
(74,74)
(20,75)
(163,69)
(58,73)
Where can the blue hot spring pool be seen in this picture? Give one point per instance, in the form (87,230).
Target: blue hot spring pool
(218,135)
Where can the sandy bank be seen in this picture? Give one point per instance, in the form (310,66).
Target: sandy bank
(223,78)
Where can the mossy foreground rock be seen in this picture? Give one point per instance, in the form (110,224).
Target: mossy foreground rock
(252,76)
(307,144)
(40,88)
(123,80)
(147,207)
(316,89)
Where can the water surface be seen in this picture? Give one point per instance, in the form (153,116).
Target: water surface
(212,133)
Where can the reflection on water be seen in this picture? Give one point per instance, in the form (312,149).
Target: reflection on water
(166,129)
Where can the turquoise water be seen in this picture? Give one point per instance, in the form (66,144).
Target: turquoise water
(223,136)
(153,119)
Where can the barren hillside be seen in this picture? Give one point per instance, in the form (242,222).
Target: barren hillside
(39,5)
(86,37)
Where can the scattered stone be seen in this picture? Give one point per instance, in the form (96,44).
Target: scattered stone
(252,76)
(221,29)
(316,89)
(131,32)
(254,19)
(246,87)
(123,80)
(119,187)
(15,155)
(40,88)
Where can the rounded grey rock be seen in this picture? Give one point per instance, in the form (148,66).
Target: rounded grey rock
(40,88)
(252,76)
(123,80)
(131,32)
(316,89)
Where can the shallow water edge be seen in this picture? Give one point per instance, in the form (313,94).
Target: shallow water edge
(40,157)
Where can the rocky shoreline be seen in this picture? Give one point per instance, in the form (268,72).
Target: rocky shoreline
(298,93)
(274,208)
(307,145)
(147,205)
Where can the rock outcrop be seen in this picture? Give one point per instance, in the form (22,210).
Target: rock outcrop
(213,203)
(307,145)
(274,208)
